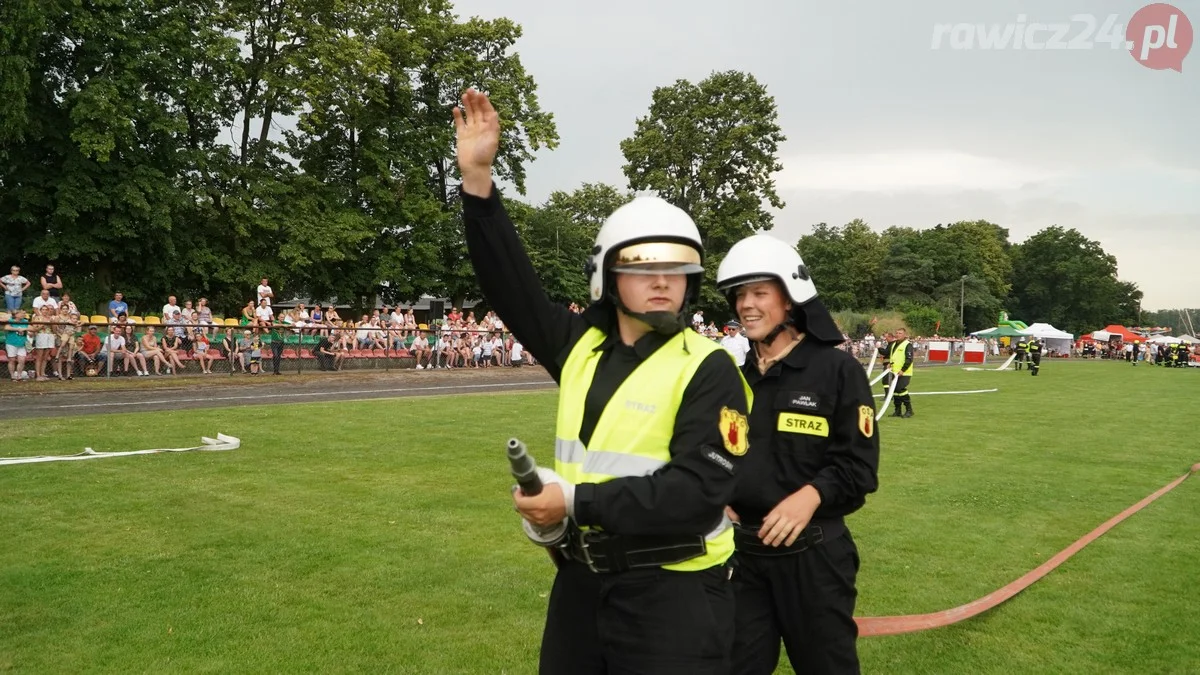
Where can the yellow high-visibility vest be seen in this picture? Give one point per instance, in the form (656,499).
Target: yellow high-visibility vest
(896,359)
(633,434)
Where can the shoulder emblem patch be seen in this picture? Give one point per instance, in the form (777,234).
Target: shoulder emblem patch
(866,420)
(734,431)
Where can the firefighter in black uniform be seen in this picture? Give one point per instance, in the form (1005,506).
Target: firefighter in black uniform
(1035,355)
(1022,351)
(651,590)
(1137,350)
(815,460)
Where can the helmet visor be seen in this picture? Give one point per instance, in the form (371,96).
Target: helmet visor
(657,258)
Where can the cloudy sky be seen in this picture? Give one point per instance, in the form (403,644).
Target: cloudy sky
(883,127)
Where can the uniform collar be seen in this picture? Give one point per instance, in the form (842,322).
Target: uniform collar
(798,358)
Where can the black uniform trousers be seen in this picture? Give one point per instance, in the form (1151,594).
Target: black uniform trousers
(805,598)
(644,622)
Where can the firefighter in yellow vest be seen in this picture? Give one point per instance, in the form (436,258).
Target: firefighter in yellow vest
(1022,351)
(651,429)
(900,363)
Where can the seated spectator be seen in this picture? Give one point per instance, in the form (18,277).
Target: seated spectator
(229,349)
(89,357)
(203,351)
(204,315)
(44,300)
(169,309)
(151,351)
(65,301)
(328,357)
(134,353)
(249,315)
(172,347)
(264,314)
(517,354)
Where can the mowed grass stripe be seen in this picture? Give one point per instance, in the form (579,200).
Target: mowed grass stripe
(378,536)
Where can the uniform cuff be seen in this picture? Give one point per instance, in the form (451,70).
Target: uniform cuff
(585,494)
(481,207)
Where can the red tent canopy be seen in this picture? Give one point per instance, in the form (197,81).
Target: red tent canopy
(1125,334)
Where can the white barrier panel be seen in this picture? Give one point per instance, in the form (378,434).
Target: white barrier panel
(939,352)
(974,352)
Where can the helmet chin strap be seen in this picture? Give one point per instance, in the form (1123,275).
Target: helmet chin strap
(776,332)
(663,323)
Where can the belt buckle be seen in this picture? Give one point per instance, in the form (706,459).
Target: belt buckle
(585,554)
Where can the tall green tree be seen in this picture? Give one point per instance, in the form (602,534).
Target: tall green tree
(1063,278)
(711,149)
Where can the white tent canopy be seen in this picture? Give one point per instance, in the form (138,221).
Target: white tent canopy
(1188,339)
(1054,339)
(1045,331)
(1101,336)
(1165,340)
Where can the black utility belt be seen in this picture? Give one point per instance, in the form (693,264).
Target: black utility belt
(745,537)
(605,553)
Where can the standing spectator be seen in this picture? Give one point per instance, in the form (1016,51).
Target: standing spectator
(52,282)
(117,307)
(276,333)
(14,289)
(67,344)
(44,300)
(169,309)
(45,341)
(264,292)
(15,342)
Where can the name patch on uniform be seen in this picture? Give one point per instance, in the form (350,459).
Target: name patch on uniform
(803,424)
(803,400)
(718,459)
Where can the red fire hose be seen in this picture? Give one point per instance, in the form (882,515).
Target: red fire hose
(911,623)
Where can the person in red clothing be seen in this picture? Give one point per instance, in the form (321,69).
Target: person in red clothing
(88,356)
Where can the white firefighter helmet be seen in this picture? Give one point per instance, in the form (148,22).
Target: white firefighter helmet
(762,257)
(645,236)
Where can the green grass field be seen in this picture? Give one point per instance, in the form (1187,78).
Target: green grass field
(378,536)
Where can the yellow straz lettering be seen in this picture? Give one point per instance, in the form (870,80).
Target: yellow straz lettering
(803,424)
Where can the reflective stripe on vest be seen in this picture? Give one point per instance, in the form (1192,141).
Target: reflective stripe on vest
(633,435)
(898,363)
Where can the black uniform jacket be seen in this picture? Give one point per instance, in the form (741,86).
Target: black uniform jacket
(813,423)
(689,494)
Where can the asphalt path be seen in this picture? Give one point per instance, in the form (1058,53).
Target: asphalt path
(191,392)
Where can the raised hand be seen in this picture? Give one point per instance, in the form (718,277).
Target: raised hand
(477,126)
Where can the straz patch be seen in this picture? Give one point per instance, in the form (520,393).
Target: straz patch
(734,429)
(866,420)
(796,423)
